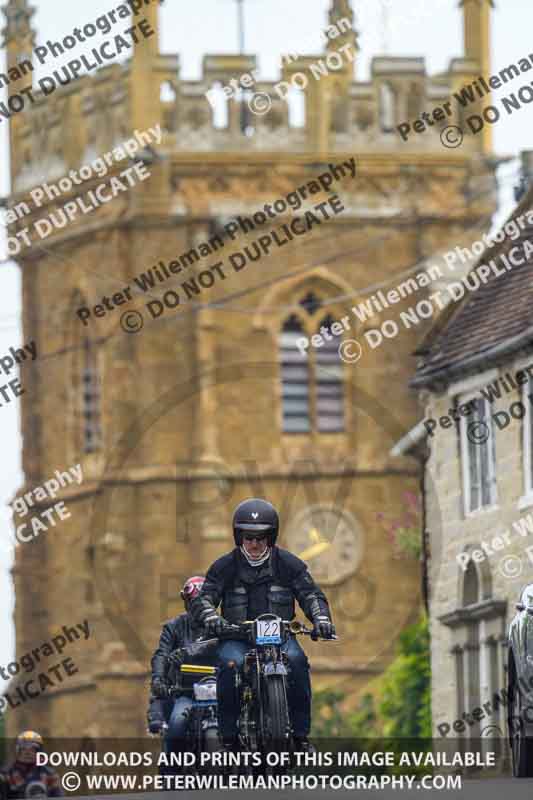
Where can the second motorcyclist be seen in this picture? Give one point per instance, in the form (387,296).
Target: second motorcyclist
(255,578)
(165,713)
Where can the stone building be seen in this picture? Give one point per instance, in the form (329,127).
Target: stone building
(212,401)
(475,377)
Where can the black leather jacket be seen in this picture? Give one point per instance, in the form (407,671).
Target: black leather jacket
(177,632)
(246,592)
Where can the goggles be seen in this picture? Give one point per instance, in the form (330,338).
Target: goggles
(254,537)
(192,588)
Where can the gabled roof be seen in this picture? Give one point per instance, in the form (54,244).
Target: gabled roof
(486,325)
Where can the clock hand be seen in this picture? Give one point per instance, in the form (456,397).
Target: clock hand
(314,550)
(314,535)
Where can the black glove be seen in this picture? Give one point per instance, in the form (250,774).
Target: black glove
(323,627)
(159,688)
(156,721)
(178,656)
(214,625)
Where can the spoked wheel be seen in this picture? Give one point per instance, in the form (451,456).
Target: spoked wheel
(521,745)
(276,715)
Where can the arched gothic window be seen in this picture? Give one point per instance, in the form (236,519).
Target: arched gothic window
(312,389)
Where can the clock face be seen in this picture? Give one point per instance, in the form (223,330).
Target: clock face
(329,541)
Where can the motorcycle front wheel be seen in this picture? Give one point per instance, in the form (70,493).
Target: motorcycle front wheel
(276,714)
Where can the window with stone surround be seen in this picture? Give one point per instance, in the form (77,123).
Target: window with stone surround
(312,388)
(478,456)
(477,630)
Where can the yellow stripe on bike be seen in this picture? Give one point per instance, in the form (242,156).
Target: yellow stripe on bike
(196,668)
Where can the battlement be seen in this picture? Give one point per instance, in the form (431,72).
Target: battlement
(363,116)
(315,108)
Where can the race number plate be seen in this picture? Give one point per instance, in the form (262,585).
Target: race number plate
(268,631)
(206,692)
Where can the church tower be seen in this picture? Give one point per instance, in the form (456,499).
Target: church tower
(198,389)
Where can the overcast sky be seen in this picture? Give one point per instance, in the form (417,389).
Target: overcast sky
(429,28)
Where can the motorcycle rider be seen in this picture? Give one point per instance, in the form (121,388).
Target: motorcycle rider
(257,577)
(178,632)
(24,778)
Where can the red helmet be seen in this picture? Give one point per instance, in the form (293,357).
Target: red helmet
(192,588)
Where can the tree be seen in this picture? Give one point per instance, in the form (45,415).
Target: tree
(405,704)
(400,703)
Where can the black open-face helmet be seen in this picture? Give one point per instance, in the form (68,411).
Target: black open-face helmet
(255,516)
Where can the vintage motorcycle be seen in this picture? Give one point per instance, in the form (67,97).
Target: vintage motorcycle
(199,683)
(264,722)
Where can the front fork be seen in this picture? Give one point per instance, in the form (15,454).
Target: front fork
(278,664)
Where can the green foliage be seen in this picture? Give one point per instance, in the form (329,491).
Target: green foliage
(395,717)
(405,705)
(329,722)
(400,705)
(364,721)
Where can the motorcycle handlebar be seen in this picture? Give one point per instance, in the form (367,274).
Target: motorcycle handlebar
(295,627)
